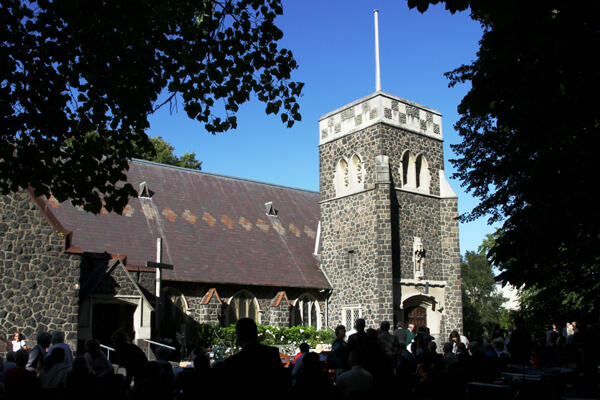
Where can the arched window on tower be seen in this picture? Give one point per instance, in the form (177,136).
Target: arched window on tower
(357,174)
(408,170)
(306,312)
(422,174)
(341,178)
(242,305)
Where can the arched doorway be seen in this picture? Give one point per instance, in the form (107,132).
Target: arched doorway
(416,315)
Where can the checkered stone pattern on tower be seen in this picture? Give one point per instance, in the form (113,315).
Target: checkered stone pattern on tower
(368,235)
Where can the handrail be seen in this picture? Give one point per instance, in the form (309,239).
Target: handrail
(108,350)
(157,344)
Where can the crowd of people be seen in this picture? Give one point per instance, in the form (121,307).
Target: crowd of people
(370,361)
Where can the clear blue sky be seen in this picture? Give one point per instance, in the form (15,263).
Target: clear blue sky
(333,43)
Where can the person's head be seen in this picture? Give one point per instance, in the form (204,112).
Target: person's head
(304,347)
(411,327)
(385,326)
(340,331)
(431,347)
(455,336)
(554,327)
(17,336)
(58,337)
(311,362)
(21,358)
(360,324)
(498,345)
(447,348)
(92,346)
(80,366)
(246,331)
(119,337)
(43,339)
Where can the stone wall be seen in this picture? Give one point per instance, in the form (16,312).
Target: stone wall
(367,237)
(356,232)
(38,287)
(214,311)
(451,266)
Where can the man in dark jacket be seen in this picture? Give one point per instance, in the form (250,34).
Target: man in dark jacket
(256,371)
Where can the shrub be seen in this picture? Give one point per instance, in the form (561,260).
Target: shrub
(211,335)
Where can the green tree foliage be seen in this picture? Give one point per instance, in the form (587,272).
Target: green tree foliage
(162,152)
(530,129)
(482,302)
(69,68)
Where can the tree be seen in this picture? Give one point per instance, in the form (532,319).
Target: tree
(162,152)
(482,302)
(71,68)
(530,131)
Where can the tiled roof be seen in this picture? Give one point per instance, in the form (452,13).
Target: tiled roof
(214,228)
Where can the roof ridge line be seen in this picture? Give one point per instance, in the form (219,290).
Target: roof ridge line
(234,178)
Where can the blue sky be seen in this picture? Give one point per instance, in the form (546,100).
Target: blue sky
(333,43)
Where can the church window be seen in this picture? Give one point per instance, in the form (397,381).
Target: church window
(349,316)
(349,176)
(174,309)
(422,174)
(341,177)
(350,258)
(408,170)
(306,312)
(357,170)
(242,305)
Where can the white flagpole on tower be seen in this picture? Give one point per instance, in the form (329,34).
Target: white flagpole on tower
(377,73)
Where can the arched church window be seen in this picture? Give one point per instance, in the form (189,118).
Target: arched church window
(341,178)
(422,174)
(306,312)
(173,312)
(357,171)
(242,305)
(408,170)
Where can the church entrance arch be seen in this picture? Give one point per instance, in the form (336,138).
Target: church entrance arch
(416,315)
(107,317)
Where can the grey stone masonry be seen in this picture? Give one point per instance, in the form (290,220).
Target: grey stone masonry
(393,234)
(356,233)
(451,265)
(210,304)
(39,285)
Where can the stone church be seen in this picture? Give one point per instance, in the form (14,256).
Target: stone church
(379,241)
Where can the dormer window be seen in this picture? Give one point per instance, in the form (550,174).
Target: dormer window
(144,192)
(270,210)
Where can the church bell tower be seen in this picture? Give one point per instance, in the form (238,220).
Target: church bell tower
(389,229)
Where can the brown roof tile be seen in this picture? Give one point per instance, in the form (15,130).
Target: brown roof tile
(214,228)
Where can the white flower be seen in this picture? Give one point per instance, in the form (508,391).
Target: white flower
(301,330)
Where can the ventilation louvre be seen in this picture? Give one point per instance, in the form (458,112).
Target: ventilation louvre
(144,192)
(270,209)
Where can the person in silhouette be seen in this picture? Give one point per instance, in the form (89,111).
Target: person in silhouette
(256,371)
